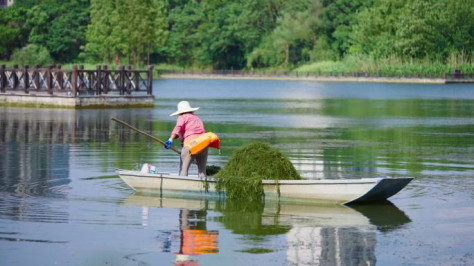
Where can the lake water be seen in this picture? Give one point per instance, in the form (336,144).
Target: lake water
(62,203)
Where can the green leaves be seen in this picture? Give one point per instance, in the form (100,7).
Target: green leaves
(12,30)
(238,34)
(126,29)
(295,31)
(415,29)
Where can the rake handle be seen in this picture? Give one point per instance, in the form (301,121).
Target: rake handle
(144,133)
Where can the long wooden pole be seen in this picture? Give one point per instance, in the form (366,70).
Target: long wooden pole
(144,133)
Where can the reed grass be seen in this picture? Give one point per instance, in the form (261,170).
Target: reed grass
(390,66)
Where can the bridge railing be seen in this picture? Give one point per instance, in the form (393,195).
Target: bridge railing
(76,82)
(455,77)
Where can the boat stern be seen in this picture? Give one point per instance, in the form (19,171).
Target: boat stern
(385,188)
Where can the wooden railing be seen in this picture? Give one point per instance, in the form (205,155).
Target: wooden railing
(454,77)
(76,82)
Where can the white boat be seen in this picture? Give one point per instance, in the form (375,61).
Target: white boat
(343,191)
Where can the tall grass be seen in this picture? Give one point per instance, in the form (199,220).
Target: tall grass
(389,67)
(351,65)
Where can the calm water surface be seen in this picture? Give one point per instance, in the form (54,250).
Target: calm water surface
(61,202)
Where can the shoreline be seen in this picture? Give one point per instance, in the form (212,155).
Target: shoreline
(310,78)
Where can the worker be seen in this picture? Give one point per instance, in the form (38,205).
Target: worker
(188,127)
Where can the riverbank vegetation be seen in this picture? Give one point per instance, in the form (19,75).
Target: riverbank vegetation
(387,37)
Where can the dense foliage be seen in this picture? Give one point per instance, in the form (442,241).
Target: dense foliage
(59,26)
(241,34)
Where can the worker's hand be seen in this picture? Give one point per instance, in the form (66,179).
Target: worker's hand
(168,144)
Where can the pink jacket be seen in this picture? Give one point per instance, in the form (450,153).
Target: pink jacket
(188,126)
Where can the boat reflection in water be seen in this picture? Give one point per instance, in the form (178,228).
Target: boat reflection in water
(195,239)
(311,234)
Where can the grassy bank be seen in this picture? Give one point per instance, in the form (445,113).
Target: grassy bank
(388,67)
(349,66)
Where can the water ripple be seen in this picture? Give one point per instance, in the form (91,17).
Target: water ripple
(32,209)
(14,239)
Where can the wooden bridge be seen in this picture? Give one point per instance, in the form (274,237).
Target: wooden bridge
(123,86)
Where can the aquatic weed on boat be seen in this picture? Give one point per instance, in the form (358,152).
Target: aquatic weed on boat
(242,176)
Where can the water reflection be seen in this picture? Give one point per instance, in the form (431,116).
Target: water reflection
(35,146)
(34,154)
(53,163)
(311,234)
(384,215)
(195,239)
(38,148)
(192,237)
(34,161)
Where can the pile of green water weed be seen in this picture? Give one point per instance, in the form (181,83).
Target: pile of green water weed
(242,176)
(212,170)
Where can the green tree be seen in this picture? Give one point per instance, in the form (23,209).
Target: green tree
(458,27)
(419,29)
(182,45)
(221,44)
(58,26)
(101,43)
(337,19)
(417,32)
(374,30)
(294,35)
(66,32)
(13,32)
(133,28)
(37,22)
(230,30)
(156,33)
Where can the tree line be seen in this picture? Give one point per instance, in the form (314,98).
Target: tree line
(235,34)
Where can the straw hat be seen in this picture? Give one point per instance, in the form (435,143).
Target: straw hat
(184,107)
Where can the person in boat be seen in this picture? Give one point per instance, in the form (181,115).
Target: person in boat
(188,127)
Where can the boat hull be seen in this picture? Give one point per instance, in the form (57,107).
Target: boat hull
(343,191)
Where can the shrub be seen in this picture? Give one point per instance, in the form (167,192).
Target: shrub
(32,54)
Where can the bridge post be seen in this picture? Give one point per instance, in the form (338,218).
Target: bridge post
(122,80)
(74,81)
(129,79)
(3,78)
(49,79)
(15,77)
(98,81)
(82,77)
(106,79)
(149,85)
(26,79)
(36,77)
(136,78)
(59,77)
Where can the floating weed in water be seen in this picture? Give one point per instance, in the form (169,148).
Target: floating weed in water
(212,170)
(257,250)
(242,176)
(100,177)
